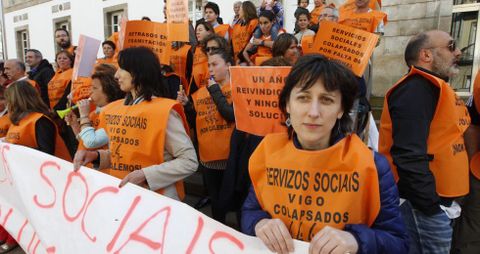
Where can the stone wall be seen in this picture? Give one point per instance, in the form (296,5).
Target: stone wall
(405,18)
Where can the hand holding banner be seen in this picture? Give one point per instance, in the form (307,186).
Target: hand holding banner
(255,93)
(352,47)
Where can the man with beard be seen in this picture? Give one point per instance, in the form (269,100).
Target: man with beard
(421,133)
(40,70)
(62,38)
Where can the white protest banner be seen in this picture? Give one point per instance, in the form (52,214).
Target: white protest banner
(85,57)
(49,208)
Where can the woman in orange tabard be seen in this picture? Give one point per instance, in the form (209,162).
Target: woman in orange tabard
(214,121)
(260,46)
(108,48)
(243,30)
(59,85)
(317,182)
(200,61)
(148,141)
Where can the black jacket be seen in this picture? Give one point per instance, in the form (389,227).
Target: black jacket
(42,75)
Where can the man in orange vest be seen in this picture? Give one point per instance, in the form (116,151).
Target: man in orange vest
(421,133)
(466,233)
(62,38)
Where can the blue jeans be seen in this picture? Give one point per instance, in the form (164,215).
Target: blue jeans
(428,234)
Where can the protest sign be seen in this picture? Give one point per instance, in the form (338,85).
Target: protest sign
(85,57)
(255,93)
(177,20)
(307,44)
(148,34)
(352,47)
(121,34)
(48,208)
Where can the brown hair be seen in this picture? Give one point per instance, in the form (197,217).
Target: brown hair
(70,56)
(22,99)
(110,86)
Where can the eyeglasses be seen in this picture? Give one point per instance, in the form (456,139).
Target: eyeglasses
(452,46)
(209,49)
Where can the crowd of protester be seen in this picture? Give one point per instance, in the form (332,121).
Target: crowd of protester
(410,192)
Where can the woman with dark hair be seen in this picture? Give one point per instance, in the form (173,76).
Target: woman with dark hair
(200,61)
(148,141)
(243,30)
(303,17)
(286,46)
(59,85)
(108,48)
(260,46)
(319,183)
(212,109)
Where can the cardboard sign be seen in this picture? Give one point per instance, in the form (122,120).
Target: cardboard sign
(352,47)
(85,57)
(51,209)
(307,44)
(177,20)
(148,34)
(255,92)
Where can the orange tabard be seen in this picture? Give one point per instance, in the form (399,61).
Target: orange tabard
(57,86)
(309,190)
(349,5)
(136,135)
(445,140)
(213,131)
(200,72)
(34,84)
(4,125)
(222,30)
(364,21)
(475,160)
(81,88)
(241,36)
(112,61)
(24,134)
(315,14)
(70,49)
(307,44)
(178,62)
(263,53)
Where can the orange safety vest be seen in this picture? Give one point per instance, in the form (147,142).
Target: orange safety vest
(445,140)
(309,190)
(315,13)
(307,44)
(178,62)
(263,53)
(4,125)
(241,36)
(34,84)
(81,88)
(367,21)
(136,135)
(112,61)
(222,30)
(213,132)
(24,134)
(57,86)
(200,73)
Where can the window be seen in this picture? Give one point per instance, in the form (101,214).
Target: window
(23,43)
(465,21)
(112,17)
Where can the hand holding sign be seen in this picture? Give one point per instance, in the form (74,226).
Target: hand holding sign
(275,235)
(332,240)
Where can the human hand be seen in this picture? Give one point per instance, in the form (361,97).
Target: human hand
(334,241)
(274,234)
(136,177)
(72,120)
(83,157)
(257,42)
(182,97)
(84,107)
(211,82)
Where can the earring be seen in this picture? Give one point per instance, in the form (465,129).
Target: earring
(288,123)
